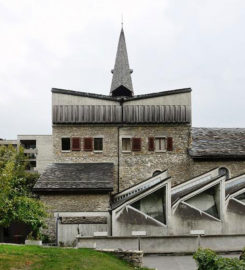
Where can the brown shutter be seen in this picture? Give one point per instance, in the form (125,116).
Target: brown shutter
(136,144)
(169,144)
(151,144)
(88,144)
(76,144)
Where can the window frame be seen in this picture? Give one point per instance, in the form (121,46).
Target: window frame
(126,137)
(98,137)
(165,148)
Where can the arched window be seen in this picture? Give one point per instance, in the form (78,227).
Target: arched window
(156,172)
(224,172)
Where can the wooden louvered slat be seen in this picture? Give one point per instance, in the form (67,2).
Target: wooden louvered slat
(151,144)
(118,114)
(136,144)
(76,144)
(88,144)
(169,144)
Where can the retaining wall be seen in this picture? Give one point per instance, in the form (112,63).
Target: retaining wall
(166,244)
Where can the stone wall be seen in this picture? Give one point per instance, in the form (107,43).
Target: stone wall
(133,257)
(196,167)
(134,166)
(138,166)
(72,203)
(110,142)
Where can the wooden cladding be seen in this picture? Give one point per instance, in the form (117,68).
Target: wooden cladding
(169,144)
(88,144)
(76,144)
(136,144)
(151,144)
(130,114)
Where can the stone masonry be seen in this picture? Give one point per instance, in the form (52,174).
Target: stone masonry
(135,167)
(72,203)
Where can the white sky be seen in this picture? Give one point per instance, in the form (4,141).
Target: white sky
(71,44)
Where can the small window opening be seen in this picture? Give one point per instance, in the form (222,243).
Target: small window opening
(224,172)
(66,144)
(98,144)
(156,173)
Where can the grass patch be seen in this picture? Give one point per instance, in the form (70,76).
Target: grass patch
(13,257)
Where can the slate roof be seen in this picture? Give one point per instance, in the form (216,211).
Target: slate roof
(217,143)
(67,177)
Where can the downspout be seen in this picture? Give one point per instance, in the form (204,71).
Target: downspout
(57,227)
(118,146)
(118,159)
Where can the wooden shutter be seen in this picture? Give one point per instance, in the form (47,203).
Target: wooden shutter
(151,144)
(169,144)
(76,144)
(88,144)
(136,144)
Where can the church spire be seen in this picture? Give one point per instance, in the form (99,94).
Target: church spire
(121,84)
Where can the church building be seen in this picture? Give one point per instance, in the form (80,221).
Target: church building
(128,163)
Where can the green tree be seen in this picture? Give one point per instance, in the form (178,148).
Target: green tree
(17,202)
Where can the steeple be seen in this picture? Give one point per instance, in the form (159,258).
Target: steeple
(121,84)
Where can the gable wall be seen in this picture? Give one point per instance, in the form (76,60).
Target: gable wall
(175,99)
(62,99)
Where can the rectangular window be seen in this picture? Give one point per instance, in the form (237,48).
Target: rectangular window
(160,144)
(88,144)
(76,144)
(98,144)
(136,144)
(126,144)
(66,144)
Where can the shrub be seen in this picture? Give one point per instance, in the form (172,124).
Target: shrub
(208,260)
(242,256)
(17,202)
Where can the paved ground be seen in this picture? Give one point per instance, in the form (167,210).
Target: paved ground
(172,262)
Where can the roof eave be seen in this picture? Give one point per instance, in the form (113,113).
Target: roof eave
(217,156)
(120,98)
(159,94)
(71,190)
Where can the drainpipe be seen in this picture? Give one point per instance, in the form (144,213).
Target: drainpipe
(57,227)
(118,159)
(118,146)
